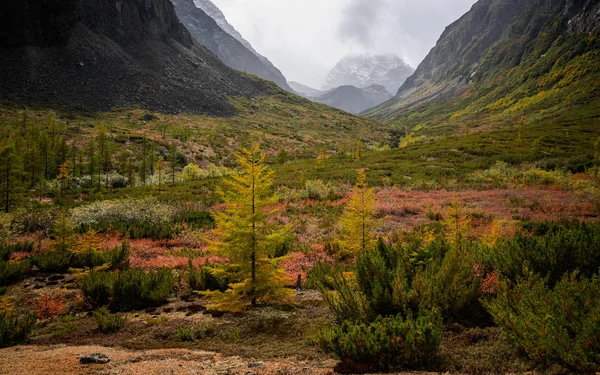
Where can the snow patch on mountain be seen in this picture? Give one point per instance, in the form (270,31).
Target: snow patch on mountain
(362,71)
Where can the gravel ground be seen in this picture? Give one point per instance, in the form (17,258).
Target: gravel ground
(63,360)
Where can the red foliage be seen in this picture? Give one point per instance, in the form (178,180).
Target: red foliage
(490,284)
(299,263)
(49,306)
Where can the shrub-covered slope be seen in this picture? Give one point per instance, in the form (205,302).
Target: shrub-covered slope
(504,62)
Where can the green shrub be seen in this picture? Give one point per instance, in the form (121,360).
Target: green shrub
(128,290)
(7,250)
(108,323)
(52,261)
(550,250)
(452,287)
(119,256)
(204,280)
(13,329)
(13,271)
(552,326)
(386,343)
(391,280)
(196,219)
(97,288)
(5,253)
(185,334)
(150,289)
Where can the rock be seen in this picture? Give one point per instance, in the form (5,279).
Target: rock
(94,358)
(256,365)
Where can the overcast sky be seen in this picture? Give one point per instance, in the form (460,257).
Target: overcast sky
(306,38)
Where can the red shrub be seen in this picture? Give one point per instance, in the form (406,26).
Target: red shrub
(49,306)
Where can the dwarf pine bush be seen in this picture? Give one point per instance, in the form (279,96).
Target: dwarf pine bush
(550,250)
(128,290)
(108,323)
(13,270)
(387,342)
(52,261)
(14,329)
(559,325)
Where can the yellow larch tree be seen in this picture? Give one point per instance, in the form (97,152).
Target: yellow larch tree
(249,238)
(358,221)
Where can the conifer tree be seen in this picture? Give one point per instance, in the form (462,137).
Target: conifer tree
(144,161)
(457,223)
(173,162)
(63,177)
(159,171)
(358,220)
(10,170)
(248,238)
(63,233)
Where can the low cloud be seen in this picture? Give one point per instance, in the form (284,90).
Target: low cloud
(358,20)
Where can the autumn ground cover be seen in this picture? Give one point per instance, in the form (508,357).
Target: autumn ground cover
(126,219)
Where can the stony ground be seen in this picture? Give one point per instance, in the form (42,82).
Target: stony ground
(63,360)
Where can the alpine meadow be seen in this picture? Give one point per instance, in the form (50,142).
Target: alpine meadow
(172,204)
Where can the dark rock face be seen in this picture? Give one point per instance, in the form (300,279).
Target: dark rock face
(227,48)
(102,54)
(354,100)
(466,48)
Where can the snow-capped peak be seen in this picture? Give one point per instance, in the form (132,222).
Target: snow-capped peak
(362,71)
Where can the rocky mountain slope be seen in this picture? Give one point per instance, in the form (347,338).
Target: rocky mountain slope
(98,54)
(505,57)
(207,24)
(365,70)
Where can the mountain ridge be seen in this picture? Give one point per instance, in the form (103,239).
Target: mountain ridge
(98,55)
(207,24)
(493,38)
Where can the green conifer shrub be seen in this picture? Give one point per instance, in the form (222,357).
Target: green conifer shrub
(14,329)
(559,325)
(108,323)
(386,343)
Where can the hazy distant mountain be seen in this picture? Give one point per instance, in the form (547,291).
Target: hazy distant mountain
(208,26)
(353,99)
(347,98)
(307,92)
(366,70)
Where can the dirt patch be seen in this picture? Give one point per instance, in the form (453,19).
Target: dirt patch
(60,360)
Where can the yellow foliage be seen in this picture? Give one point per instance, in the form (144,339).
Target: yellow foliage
(247,237)
(6,306)
(87,242)
(357,221)
(457,223)
(81,273)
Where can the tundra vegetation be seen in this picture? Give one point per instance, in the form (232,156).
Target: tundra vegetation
(470,253)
